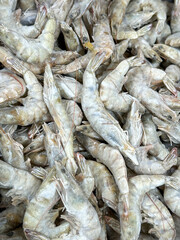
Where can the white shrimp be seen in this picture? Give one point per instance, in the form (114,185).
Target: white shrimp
(98,116)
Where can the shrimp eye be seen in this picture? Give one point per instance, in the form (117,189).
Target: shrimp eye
(169,117)
(63,170)
(85,39)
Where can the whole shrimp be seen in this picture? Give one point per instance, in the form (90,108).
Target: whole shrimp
(82,215)
(39,215)
(134,125)
(98,116)
(111,87)
(150,165)
(151,137)
(53,101)
(12,151)
(113,160)
(34,108)
(13,179)
(140,79)
(116,13)
(138,186)
(161,14)
(172,196)
(157,214)
(30,50)
(11,86)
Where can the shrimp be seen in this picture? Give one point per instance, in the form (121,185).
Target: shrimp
(82,215)
(71,39)
(161,14)
(81,31)
(87,130)
(167,52)
(39,215)
(173,40)
(85,177)
(11,218)
(138,186)
(53,101)
(172,196)
(134,126)
(175,21)
(78,9)
(172,129)
(54,149)
(150,165)
(116,12)
(34,109)
(38,158)
(69,87)
(140,79)
(119,51)
(113,160)
(104,183)
(11,86)
(156,214)
(30,50)
(13,179)
(11,150)
(97,115)
(37,144)
(151,138)
(111,87)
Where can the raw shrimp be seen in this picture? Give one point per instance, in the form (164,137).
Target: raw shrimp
(72,41)
(134,125)
(111,87)
(39,215)
(13,179)
(156,214)
(53,100)
(138,186)
(63,57)
(34,108)
(30,50)
(104,183)
(119,51)
(11,86)
(151,138)
(116,12)
(81,31)
(172,129)
(172,196)
(150,165)
(175,20)
(173,40)
(11,218)
(101,121)
(153,5)
(85,177)
(77,10)
(11,150)
(69,87)
(87,130)
(113,160)
(167,52)
(82,215)
(140,79)
(37,144)
(54,149)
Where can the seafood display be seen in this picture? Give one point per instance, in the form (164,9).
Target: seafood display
(89,119)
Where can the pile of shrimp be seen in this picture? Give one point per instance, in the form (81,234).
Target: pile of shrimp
(89,119)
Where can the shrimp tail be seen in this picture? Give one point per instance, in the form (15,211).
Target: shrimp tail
(171,159)
(96,61)
(142,31)
(173,182)
(39,172)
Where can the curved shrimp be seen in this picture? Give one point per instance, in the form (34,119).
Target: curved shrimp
(140,79)
(111,87)
(12,151)
(156,214)
(34,109)
(113,160)
(39,215)
(53,100)
(30,50)
(98,116)
(82,214)
(13,179)
(138,186)
(11,86)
